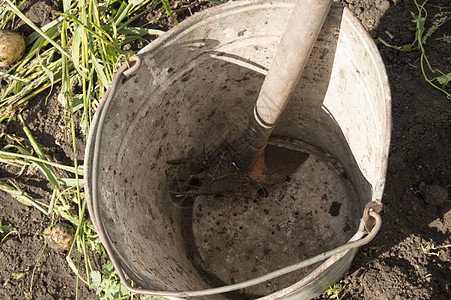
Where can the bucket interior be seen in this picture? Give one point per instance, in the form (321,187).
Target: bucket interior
(259,229)
(195,89)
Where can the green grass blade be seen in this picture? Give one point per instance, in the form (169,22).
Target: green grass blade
(6,20)
(76,44)
(404,48)
(74,268)
(49,75)
(122,13)
(21,196)
(99,71)
(6,155)
(35,35)
(139,31)
(167,7)
(13,77)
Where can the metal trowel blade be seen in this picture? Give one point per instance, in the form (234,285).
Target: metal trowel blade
(276,163)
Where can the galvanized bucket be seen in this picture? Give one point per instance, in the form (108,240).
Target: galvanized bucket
(193,89)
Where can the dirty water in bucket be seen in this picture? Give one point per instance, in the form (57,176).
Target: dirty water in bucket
(258,229)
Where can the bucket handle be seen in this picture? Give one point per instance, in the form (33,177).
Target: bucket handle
(370,223)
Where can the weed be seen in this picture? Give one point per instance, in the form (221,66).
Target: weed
(92,239)
(19,155)
(423,270)
(168,9)
(421,37)
(5,231)
(444,79)
(89,36)
(20,274)
(17,275)
(107,283)
(334,291)
(372,251)
(109,286)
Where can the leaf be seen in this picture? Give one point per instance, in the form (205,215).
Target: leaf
(5,229)
(421,27)
(46,169)
(96,279)
(136,2)
(444,79)
(99,71)
(72,182)
(20,274)
(76,44)
(168,9)
(62,99)
(66,5)
(52,25)
(19,195)
(140,31)
(404,48)
(123,290)
(107,269)
(74,268)
(121,12)
(77,102)
(115,289)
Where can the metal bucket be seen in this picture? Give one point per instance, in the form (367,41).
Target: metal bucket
(193,89)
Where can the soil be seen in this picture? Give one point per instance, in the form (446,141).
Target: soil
(409,258)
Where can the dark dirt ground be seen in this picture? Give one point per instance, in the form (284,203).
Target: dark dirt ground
(412,261)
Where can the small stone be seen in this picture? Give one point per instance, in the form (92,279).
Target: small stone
(444,255)
(434,194)
(61,236)
(384,5)
(358,11)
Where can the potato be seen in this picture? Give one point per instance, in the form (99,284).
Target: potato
(12,45)
(61,236)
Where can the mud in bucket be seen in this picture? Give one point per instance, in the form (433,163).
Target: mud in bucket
(193,89)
